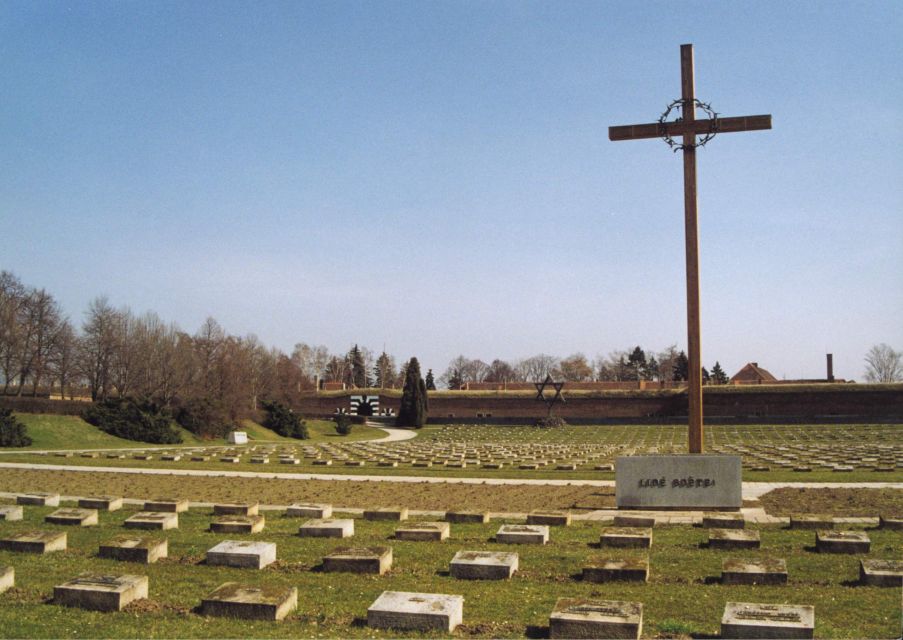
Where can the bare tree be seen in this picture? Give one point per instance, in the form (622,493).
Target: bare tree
(574,368)
(536,368)
(500,371)
(883,364)
(99,344)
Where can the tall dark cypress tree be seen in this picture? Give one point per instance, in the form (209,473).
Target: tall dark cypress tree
(430,381)
(414,404)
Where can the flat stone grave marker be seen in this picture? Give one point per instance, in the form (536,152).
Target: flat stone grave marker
(842,542)
(376,560)
(290,461)
(10,512)
(172,505)
(387,513)
(236,509)
(327,528)
(152,520)
(811,521)
(734,539)
(242,553)
(551,518)
(200,458)
(754,571)
(483,565)
(881,573)
(753,620)
(626,537)
(171,457)
(142,456)
(615,570)
(7,578)
(260,460)
(416,611)
(230,459)
(723,521)
(234,600)
(35,542)
(894,522)
(423,531)
(73,517)
(238,524)
(642,522)
(143,549)
(115,456)
(590,618)
(101,592)
(479,517)
(101,503)
(39,498)
(309,510)
(523,534)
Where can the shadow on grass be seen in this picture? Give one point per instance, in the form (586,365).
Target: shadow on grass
(535,631)
(358,623)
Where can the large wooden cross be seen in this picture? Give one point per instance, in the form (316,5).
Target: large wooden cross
(688,127)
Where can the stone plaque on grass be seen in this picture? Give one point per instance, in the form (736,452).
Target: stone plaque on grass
(643,522)
(734,539)
(842,542)
(35,542)
(589,618)
(7,578)
(811,521)
(172,505)
(423,531)
(723,521)
(753,620)
(626,537)
(238,524)
(101,503)
(242,553)
(152,520)
(387,513)
(522,534)
(615,570)
(143,549)
(73,517)
(881,573)
(327,528)
(416,611)
(483,565)
(39,498)
(100,592)
(692,481)
(376,560)
(894,522)
(234,600)
(754,571)
(10,512)
(551,518)
(236,509)
(467,516)
(309,510)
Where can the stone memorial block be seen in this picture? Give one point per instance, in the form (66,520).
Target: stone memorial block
(626,537)
(522,534)
(152,520)
(894,522)
(260,460)
(142,456)
(290,461)
(387,513)
(10,512)
(171,457)
(327,528)
(642,522)
(757,571)
(171,505)
(604,467)
(811,522)
(376,560)
(478,517)
(692,481)
(234,600)
(354,463)
(483,565)
(200,458)
(234,509)
(734,539)
(141,549)
(752,620)
(416,611)
(7,578)
(611,570)
(230,459)
(881,573)
(423,531)
(242,554)
(589,618)
(100,592)
(74,517)
(842,542)
(39,498)
(101,503)
(238,524)
(35,542)
(309,510)
(723,521)
(551,518)
(115,456)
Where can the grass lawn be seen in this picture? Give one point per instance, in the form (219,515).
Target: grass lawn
(683,592)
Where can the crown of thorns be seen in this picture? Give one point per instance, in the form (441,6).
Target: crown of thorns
(679,105)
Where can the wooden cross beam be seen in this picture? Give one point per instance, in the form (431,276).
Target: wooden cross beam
(688,127)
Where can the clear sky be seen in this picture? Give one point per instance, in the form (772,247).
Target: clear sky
(436,177)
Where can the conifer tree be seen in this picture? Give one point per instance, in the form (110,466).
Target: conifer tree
(414,404)
(718,374)
(430,381)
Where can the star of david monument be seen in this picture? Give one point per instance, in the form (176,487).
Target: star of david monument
(695,480)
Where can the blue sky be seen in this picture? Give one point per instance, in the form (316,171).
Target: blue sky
(436,177)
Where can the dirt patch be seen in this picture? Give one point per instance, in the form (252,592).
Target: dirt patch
(836,502)
(341,493)
(146,605)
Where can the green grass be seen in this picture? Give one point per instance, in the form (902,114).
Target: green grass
(682,593)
